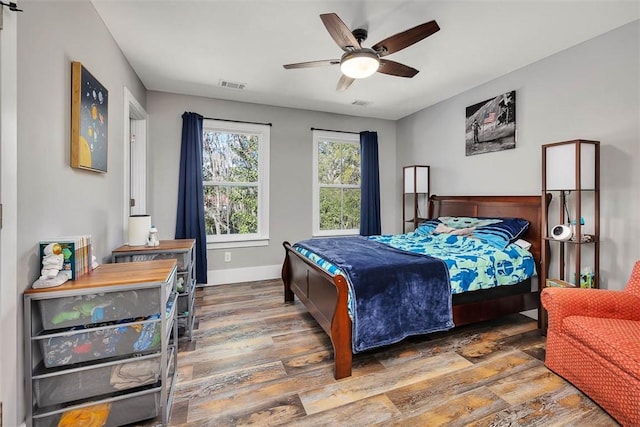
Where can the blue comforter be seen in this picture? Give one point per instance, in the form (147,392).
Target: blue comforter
(395,293)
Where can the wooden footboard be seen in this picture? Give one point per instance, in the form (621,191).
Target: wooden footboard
(326,296)
(326,299)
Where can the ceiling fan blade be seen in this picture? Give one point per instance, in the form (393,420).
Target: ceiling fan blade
(312,64)
(394,68)
(406,38)
(340,32)
(344,82)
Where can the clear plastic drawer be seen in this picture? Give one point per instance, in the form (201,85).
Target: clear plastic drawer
(112,412)
(79,310)
(84,345)
(184,300)
(183,304)
(183,281)
(182,258)
(96,380)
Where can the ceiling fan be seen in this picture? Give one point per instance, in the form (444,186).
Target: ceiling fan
(358,62)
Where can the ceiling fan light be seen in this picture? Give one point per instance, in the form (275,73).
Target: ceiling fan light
(359,64)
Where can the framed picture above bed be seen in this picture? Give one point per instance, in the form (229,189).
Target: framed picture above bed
(491,125)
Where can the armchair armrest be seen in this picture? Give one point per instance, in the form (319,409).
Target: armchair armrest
(563,302)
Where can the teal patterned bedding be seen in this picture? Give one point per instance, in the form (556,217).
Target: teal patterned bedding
(472,263)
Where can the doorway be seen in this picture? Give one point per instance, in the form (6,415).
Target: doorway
(135,159)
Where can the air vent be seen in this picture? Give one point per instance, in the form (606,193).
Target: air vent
(360,103)
(232,85)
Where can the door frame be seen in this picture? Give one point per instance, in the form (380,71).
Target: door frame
(135,158)
(11,364)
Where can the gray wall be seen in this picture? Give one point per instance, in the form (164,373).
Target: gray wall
(590,91)
(290,167)
(54,199)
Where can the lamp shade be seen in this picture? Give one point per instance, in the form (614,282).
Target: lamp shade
(359,64)
(570,165)
(416,179)
(139,226)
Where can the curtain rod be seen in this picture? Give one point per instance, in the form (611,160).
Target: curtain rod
(237,121)
(339,131)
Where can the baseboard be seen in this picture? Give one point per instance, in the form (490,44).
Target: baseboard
(237,275)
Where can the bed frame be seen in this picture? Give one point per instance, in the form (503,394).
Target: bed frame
(325,296)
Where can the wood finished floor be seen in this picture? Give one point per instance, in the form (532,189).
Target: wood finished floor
(255,360)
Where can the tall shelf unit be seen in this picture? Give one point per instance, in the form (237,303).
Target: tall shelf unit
(415,196)
(183,251)
(102,346)
(571,170)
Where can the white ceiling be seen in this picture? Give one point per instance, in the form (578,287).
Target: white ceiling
(189,46)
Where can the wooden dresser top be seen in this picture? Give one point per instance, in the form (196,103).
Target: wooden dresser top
(165,245)
(117,274)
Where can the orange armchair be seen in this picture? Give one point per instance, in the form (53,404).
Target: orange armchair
(593,341)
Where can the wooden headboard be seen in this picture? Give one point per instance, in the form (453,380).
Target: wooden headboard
(525,207)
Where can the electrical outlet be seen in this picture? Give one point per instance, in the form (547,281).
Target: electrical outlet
(227,257)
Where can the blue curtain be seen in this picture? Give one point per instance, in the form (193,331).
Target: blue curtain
(190,218)
(369,185)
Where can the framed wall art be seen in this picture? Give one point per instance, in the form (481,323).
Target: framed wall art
(491,125)
(89,120)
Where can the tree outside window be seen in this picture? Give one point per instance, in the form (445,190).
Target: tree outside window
(233,171)
(337,183)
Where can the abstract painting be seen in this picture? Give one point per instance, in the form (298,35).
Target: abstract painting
(89,119)
(491,125)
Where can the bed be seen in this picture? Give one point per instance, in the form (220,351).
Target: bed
(327,298)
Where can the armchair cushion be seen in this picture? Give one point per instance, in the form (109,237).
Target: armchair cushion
(563,302)
(617,341)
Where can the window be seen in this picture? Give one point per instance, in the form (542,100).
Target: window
(336,183)
(235,175)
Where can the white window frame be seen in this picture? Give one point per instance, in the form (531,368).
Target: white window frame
(340,137)
(261,238)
